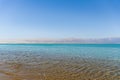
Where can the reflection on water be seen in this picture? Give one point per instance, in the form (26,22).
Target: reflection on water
(59,62)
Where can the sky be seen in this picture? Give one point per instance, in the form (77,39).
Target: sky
(30,19)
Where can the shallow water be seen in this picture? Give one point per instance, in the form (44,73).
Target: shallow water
(60,61)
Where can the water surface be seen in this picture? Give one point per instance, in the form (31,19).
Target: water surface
(60,61)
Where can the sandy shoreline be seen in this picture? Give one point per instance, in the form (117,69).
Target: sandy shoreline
(67,69)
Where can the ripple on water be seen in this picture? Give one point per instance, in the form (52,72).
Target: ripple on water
(59,63)
(61,69)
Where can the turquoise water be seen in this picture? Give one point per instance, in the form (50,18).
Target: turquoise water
(61,61)
(59,51)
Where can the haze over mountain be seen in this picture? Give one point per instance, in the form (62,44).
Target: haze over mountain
(65,40)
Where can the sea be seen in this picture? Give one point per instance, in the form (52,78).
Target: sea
(60,61)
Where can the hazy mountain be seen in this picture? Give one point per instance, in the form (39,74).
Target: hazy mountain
(66,40)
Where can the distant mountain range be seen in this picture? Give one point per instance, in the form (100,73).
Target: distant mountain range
(66,40)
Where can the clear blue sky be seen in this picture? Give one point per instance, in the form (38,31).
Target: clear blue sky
(59,19)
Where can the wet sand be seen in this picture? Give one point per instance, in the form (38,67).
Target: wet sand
(60,69)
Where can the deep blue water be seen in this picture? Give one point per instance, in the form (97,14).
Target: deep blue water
(91,51)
